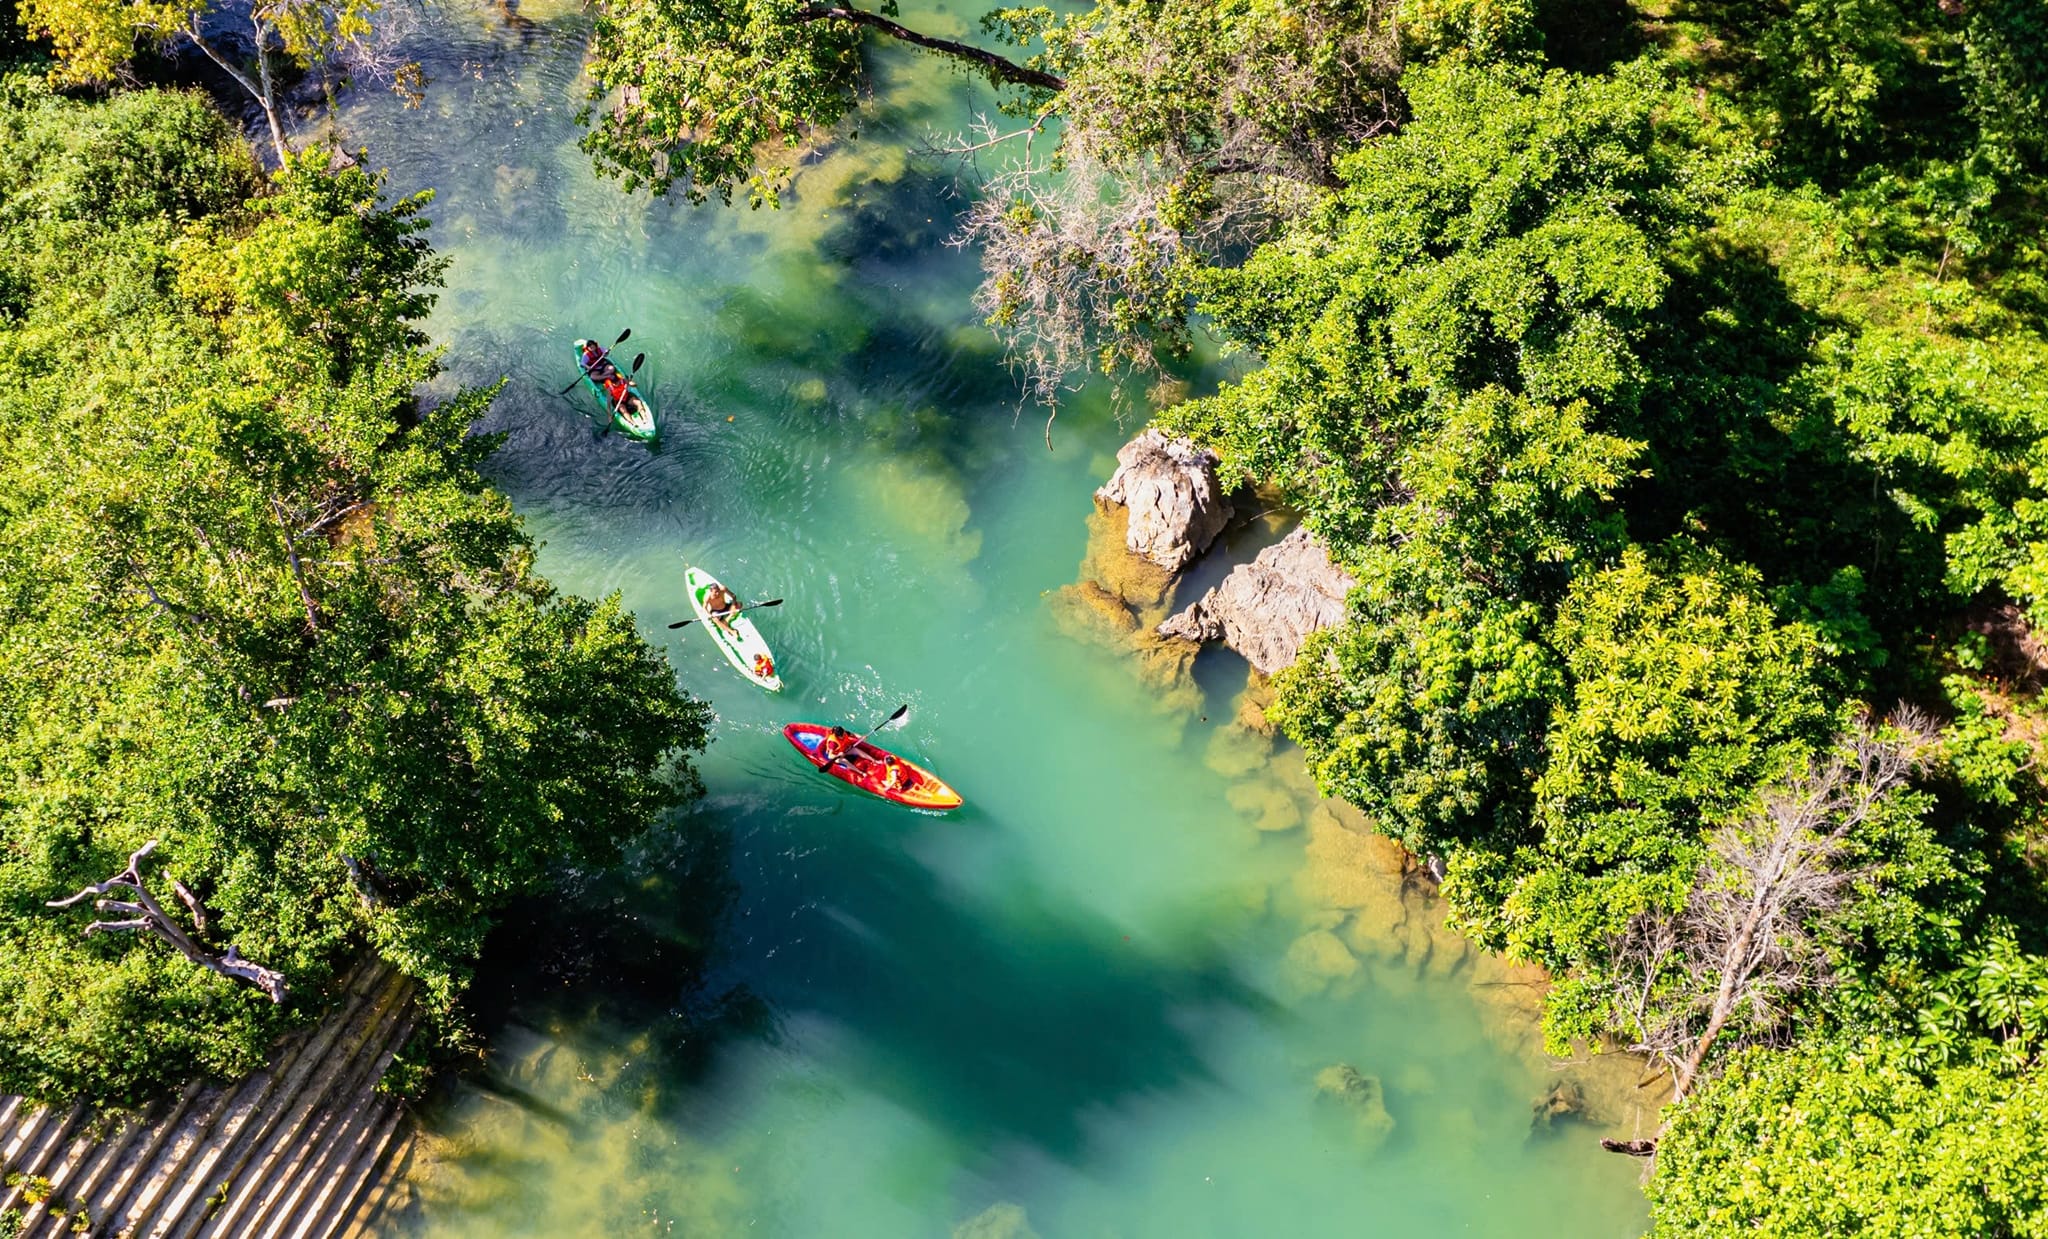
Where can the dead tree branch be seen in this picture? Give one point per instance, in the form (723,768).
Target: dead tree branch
(1748,941)
(146,914)
(291,553)
(998,68)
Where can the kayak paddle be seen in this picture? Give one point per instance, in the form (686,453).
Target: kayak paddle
(772,602)
(851,748)
(601,356)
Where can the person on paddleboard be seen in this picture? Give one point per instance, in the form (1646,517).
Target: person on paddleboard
(721,606)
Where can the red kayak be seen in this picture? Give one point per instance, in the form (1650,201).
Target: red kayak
(921,788)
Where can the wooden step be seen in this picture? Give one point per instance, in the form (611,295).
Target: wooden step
(93,1180)
(335,1145)
(43,1154)
(186,1182)
(197,1097)
(287,1172)
(279,1123)
(386,1193)
(97,1133)
(341,1187)
(36,1122)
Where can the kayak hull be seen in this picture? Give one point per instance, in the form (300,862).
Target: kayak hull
(926,790)
(639,426)
(742,644)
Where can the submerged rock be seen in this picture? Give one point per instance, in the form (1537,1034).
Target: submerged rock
(1319,959)
(1345,869)
(1232,752)
(1002,1220)
(1265,609)
(1091,611)
(1252,703)
(1173,495)
(1139,582)
(1360,1098)
(1563,1099)
(1266,804)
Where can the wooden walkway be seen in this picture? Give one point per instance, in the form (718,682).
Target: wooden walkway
(303,1149)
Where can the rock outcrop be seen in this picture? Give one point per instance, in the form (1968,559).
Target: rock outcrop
(1174,497)
(1265,609)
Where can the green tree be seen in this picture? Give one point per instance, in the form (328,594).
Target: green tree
(1852,1140)
(263,610)
(1687,694)
(94,39)
(1446,348)
(1151,138)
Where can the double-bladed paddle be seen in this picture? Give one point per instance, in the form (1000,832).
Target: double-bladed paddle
(601,356)
(772,602)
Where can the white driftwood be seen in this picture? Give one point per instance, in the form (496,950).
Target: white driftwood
(144,913)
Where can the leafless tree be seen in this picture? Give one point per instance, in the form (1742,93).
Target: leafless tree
(1750,938)
(144,913)
(1086,238)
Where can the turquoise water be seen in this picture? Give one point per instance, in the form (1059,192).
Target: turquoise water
(1095,1002)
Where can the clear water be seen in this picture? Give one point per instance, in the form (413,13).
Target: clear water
(1083,1006)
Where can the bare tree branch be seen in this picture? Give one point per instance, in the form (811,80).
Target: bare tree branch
(192,904)
(148,915)
(291,553)
(1747,943)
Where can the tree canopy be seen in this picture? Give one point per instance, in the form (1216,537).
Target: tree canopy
(258,605)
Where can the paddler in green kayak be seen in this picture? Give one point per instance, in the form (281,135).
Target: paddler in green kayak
(619,390)
(596,362)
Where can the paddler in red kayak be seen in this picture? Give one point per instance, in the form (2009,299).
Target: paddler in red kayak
(836,745)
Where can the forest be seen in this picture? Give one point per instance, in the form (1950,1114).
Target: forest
(1672,375)
(266,629)
(1672,378)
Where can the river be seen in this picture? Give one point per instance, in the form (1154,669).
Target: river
(1096,1002)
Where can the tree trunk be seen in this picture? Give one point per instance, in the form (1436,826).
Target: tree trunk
(260,93)
(998,67)
(1736,965)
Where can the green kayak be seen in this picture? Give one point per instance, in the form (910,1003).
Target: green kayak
(633,416)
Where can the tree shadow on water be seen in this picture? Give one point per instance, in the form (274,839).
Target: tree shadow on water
(1000,1021)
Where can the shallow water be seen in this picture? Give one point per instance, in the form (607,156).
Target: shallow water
(1096,1001)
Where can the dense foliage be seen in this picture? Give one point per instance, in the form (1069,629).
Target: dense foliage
(1680,419)
(256,603)
(1676,390)
(1852,1140)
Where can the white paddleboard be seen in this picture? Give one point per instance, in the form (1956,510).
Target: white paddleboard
(741,642)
